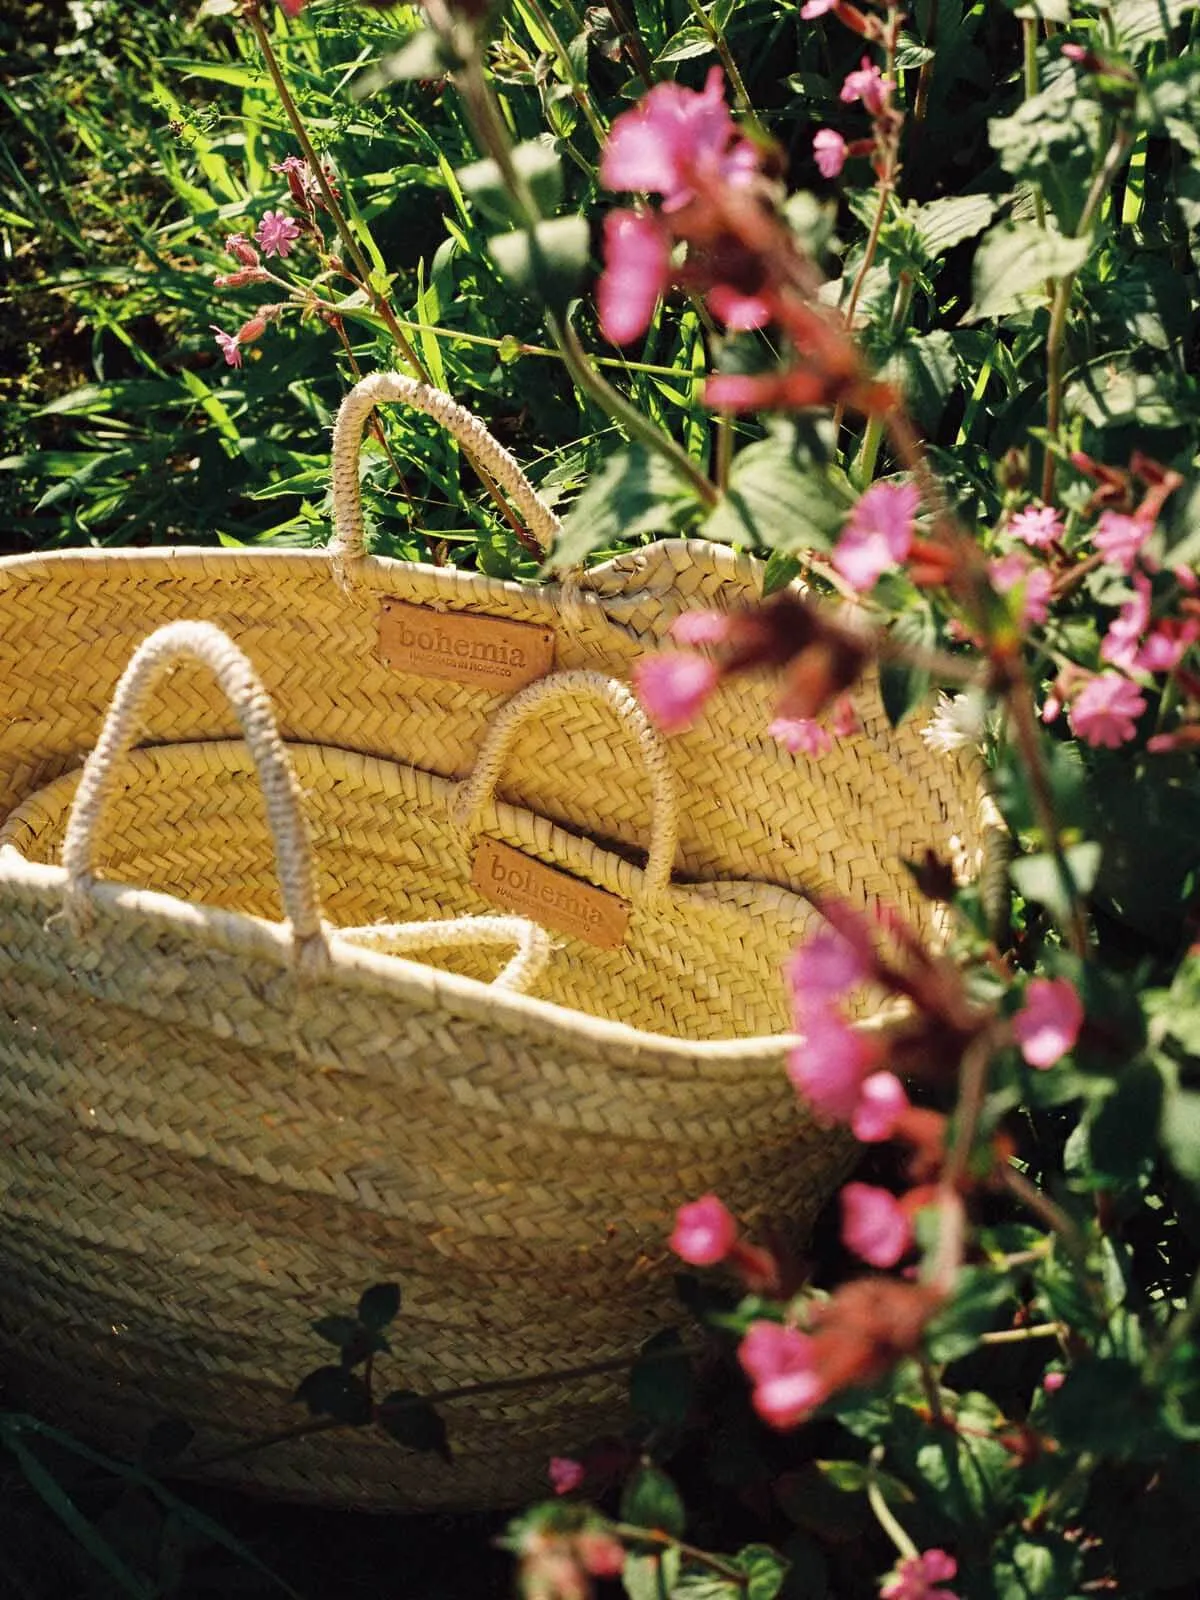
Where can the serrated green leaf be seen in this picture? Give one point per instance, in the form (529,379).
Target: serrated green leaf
(691,41)
(780,498)
(634,492)
(765,1571)
(1015,262)
(1171,101)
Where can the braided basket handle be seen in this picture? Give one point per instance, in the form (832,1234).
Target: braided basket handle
(480,446)
(200,641)
(479,787)
(533,944)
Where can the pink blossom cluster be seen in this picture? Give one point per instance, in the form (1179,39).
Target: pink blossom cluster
(866,85)
(837,1068)
(683,146)
(878,534)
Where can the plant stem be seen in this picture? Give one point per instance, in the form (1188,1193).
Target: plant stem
(665,1541)
(883,1512)
(633,42)
(1044,1330)
(1033,87)
(724,449)
(864,469)
(331,203)
(1040,1203)
(625,415)
(579,90)
(721,45)
(1055,337)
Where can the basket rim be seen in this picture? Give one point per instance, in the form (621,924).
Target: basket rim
(238,932)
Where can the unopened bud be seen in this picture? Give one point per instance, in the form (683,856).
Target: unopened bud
(240,248)
(239,279)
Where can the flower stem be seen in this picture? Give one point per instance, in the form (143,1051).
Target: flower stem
(579,90)
(883,1513)
(1033,87)
(353,248)
(633,42)
(630,1532)
(721,45)
(1055,337)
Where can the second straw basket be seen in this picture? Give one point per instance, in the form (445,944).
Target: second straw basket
(363,667)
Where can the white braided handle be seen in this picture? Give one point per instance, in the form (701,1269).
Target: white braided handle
(475,790)
(534,945)
(200,641)
(481,447)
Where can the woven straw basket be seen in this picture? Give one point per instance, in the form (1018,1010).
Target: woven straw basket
(216,1127)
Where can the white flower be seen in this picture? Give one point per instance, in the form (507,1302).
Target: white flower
(957,722)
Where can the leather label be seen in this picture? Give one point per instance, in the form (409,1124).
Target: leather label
(490,652)
(547,896)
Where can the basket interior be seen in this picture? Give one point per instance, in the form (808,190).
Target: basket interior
(701,962)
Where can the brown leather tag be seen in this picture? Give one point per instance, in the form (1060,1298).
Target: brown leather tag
(552,898)
(490,652)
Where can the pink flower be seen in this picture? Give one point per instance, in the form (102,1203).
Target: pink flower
(1118,538)
(277,233)
(674,138)
(565,1474)
(1105,710)
(1121,641)
(1039,526)
(1166,645)
(1048,1024)
(779,1362)
(843,719)
(739,312)
(816,8)
(600,1554)
(881,1103)
(637,273)
(705,1232)
(673,688)
(868,85)
(829,149)
(916,1577)
(700,627)
(874,1225)
(801,735)
(229,346)
(828,1069)
(1016,571)
(1053,1382)
(821,970)
(878,534)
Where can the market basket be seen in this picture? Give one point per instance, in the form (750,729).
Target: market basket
(214,1129)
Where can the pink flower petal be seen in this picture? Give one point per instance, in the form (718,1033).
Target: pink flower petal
(881,1103)
(1105,711)
(878,533)
(704,1233)
(1048,1024)
(829,150)
(874,1225)
(673,688)
(637,272)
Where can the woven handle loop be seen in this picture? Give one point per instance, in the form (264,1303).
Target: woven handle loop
(534,945)
(200,641)
(474,792)
(481,447)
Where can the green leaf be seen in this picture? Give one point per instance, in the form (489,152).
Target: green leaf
(545,263)
(651,1500)
(425,55)
(980,1294)
(1052,141)
(1024,1567)
(1015,261)
(1180,1130)
(1141,22)
(780,570)
(1038,876)
(1123,1131)
(1171,100)
(689,42)
(379,1305)
(925,367)
(413,1422)
(765,1571)
(780,497)
(634,492)
(661,1382)
(651,1577)
(336,1392)
(941,224)
(1102,1407)
(902,687)
(537,162)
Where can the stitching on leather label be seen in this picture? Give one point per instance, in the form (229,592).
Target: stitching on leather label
(555,899)
(490,652)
